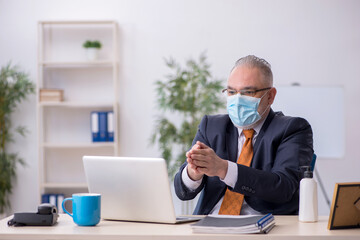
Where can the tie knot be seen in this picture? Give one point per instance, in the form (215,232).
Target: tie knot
(249,133)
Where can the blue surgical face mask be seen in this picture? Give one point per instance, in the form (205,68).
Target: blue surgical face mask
(243,110)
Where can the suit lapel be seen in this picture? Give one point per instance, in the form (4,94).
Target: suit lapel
(263,129)
(232,141)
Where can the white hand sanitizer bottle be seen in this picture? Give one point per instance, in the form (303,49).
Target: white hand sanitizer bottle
(308,208)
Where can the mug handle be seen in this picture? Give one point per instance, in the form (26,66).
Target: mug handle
(63,205)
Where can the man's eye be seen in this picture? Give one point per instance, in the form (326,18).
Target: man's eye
(248,92)
(232,92)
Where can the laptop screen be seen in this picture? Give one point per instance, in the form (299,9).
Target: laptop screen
(132,189)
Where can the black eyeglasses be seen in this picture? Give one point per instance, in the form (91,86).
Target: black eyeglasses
(244,92)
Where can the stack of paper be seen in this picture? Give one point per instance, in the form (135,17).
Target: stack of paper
(234,224)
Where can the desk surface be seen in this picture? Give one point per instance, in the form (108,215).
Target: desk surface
(287,227)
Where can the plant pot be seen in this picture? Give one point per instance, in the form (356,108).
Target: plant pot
(92,54)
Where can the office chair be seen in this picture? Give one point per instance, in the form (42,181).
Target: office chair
(312,167)
(313,161)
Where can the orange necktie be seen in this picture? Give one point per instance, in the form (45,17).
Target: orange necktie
(233,201)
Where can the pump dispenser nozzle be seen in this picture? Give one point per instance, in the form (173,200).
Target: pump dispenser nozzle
(307,172)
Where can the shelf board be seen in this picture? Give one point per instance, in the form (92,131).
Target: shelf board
(78,22)
(64,185)
(79,145)
(76,104)
(78,64)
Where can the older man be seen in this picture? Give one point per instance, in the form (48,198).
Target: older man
(247,161)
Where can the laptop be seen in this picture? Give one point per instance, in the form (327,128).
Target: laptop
(132,189)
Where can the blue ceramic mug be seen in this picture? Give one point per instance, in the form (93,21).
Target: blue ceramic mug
(86,208)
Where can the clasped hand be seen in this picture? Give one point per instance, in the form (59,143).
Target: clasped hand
(202,160)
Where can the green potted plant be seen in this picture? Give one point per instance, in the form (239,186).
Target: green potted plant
(14,87)
(92,49)
(190,93)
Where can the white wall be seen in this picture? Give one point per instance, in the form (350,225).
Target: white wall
(313,42)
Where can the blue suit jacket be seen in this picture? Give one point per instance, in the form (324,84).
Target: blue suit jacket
(271,183)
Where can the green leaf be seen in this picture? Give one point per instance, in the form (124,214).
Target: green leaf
(190,92)
(15,86)
(92,44)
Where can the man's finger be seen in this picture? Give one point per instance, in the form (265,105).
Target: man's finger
(196,163)
(198,157)
(191,161)
(199,163)
(202,145)
(201,170)
(199,151)
(196,146)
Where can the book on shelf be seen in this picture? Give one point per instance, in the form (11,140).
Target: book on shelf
(54,199)
(102,126)
(51,95)
(234,224)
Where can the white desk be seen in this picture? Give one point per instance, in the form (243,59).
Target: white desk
(287,227)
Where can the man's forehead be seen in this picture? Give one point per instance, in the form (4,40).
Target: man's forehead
(247,77)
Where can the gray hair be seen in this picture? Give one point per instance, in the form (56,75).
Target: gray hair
(259,63)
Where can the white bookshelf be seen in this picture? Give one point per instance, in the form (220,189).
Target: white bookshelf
(62,186)
(64,133)
(69,104)
(78,145)
(62,64)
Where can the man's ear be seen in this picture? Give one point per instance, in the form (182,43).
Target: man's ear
(272,94)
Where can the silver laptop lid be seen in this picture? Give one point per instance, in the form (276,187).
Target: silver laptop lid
(132,189)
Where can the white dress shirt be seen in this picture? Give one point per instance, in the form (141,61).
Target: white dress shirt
(231,175)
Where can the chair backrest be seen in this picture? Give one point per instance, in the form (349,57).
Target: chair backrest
(313,161)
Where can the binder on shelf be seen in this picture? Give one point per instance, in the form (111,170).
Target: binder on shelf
(110,126)
(45,198)
(55,199)
(99,126)
(95,127)
(60,198)
(102,126)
